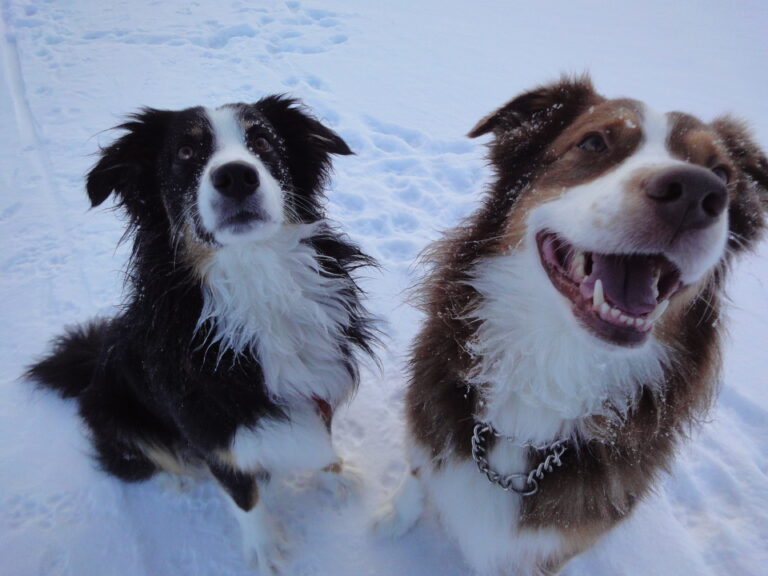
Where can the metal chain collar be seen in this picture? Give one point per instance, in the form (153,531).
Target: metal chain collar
(506,481)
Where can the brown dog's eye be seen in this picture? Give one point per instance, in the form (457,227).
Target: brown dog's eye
(593,142)
(722,172)
(185,153)
(261,144)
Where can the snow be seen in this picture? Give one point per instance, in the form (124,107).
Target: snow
(402,82)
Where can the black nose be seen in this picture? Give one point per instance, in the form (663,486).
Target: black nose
(235,179)
(687,197)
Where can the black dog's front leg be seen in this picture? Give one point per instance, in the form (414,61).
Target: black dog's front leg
(264,544)
(242,487)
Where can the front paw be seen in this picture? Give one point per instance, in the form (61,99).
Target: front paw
(265,546)
(401,512)
(341,479)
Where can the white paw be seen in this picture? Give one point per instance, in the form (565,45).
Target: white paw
(400,513)
(389,523)
(268,556)
(265,545)
(342,480)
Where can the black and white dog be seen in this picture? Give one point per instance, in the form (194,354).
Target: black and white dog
(242,323)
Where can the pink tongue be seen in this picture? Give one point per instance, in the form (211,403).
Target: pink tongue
(627,281)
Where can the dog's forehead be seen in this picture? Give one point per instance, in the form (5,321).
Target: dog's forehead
(664,132)
(250,115)
(622,116)
(230,123)
(190,122)
(619,110)
(621,121)
(225,125)
(655,127)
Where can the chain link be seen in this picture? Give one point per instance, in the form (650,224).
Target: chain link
(507,481)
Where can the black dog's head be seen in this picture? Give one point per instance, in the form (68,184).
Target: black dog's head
(225,175)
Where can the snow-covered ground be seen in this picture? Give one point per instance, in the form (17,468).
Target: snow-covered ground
(402,81)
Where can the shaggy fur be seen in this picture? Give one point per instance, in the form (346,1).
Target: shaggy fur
(504,343)
(242,321)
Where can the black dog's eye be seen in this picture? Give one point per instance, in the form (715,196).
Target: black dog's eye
(722,172)
(261,144)
(186,153)
(593,142)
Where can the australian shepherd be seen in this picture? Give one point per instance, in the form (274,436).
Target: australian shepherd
(573,322)
(242,325)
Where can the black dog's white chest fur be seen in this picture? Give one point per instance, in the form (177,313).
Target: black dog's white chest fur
(273,301)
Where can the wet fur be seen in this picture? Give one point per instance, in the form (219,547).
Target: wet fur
(170,381)
(615,457)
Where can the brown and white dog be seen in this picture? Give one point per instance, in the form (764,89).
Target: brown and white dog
(572,330)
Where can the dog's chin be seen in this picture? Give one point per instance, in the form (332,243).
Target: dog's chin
(245,228)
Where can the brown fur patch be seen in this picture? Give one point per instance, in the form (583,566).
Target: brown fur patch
(693,141)
(335,467)
(225,457)
(166,460)
(195,253)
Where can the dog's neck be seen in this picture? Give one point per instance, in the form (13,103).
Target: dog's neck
(269,300)
(540,375)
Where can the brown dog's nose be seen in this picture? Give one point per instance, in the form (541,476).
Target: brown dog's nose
(687,197)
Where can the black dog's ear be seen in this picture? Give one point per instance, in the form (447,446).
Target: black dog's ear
(541,105)
(295,124)
(127,166)
(749,200)
(310,143)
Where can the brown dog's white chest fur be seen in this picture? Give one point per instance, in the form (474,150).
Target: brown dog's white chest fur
(579,303)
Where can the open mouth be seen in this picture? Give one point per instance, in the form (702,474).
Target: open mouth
(618,297)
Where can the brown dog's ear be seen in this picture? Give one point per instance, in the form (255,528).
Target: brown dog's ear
(749,202)
(540,104)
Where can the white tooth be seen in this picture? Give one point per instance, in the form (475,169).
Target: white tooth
(655,284)
(604,309)
(577,267)
(626,320)
(657,312)
(615,312)
(598,298)
(640,323)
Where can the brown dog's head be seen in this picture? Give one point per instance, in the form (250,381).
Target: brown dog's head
(627,212)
